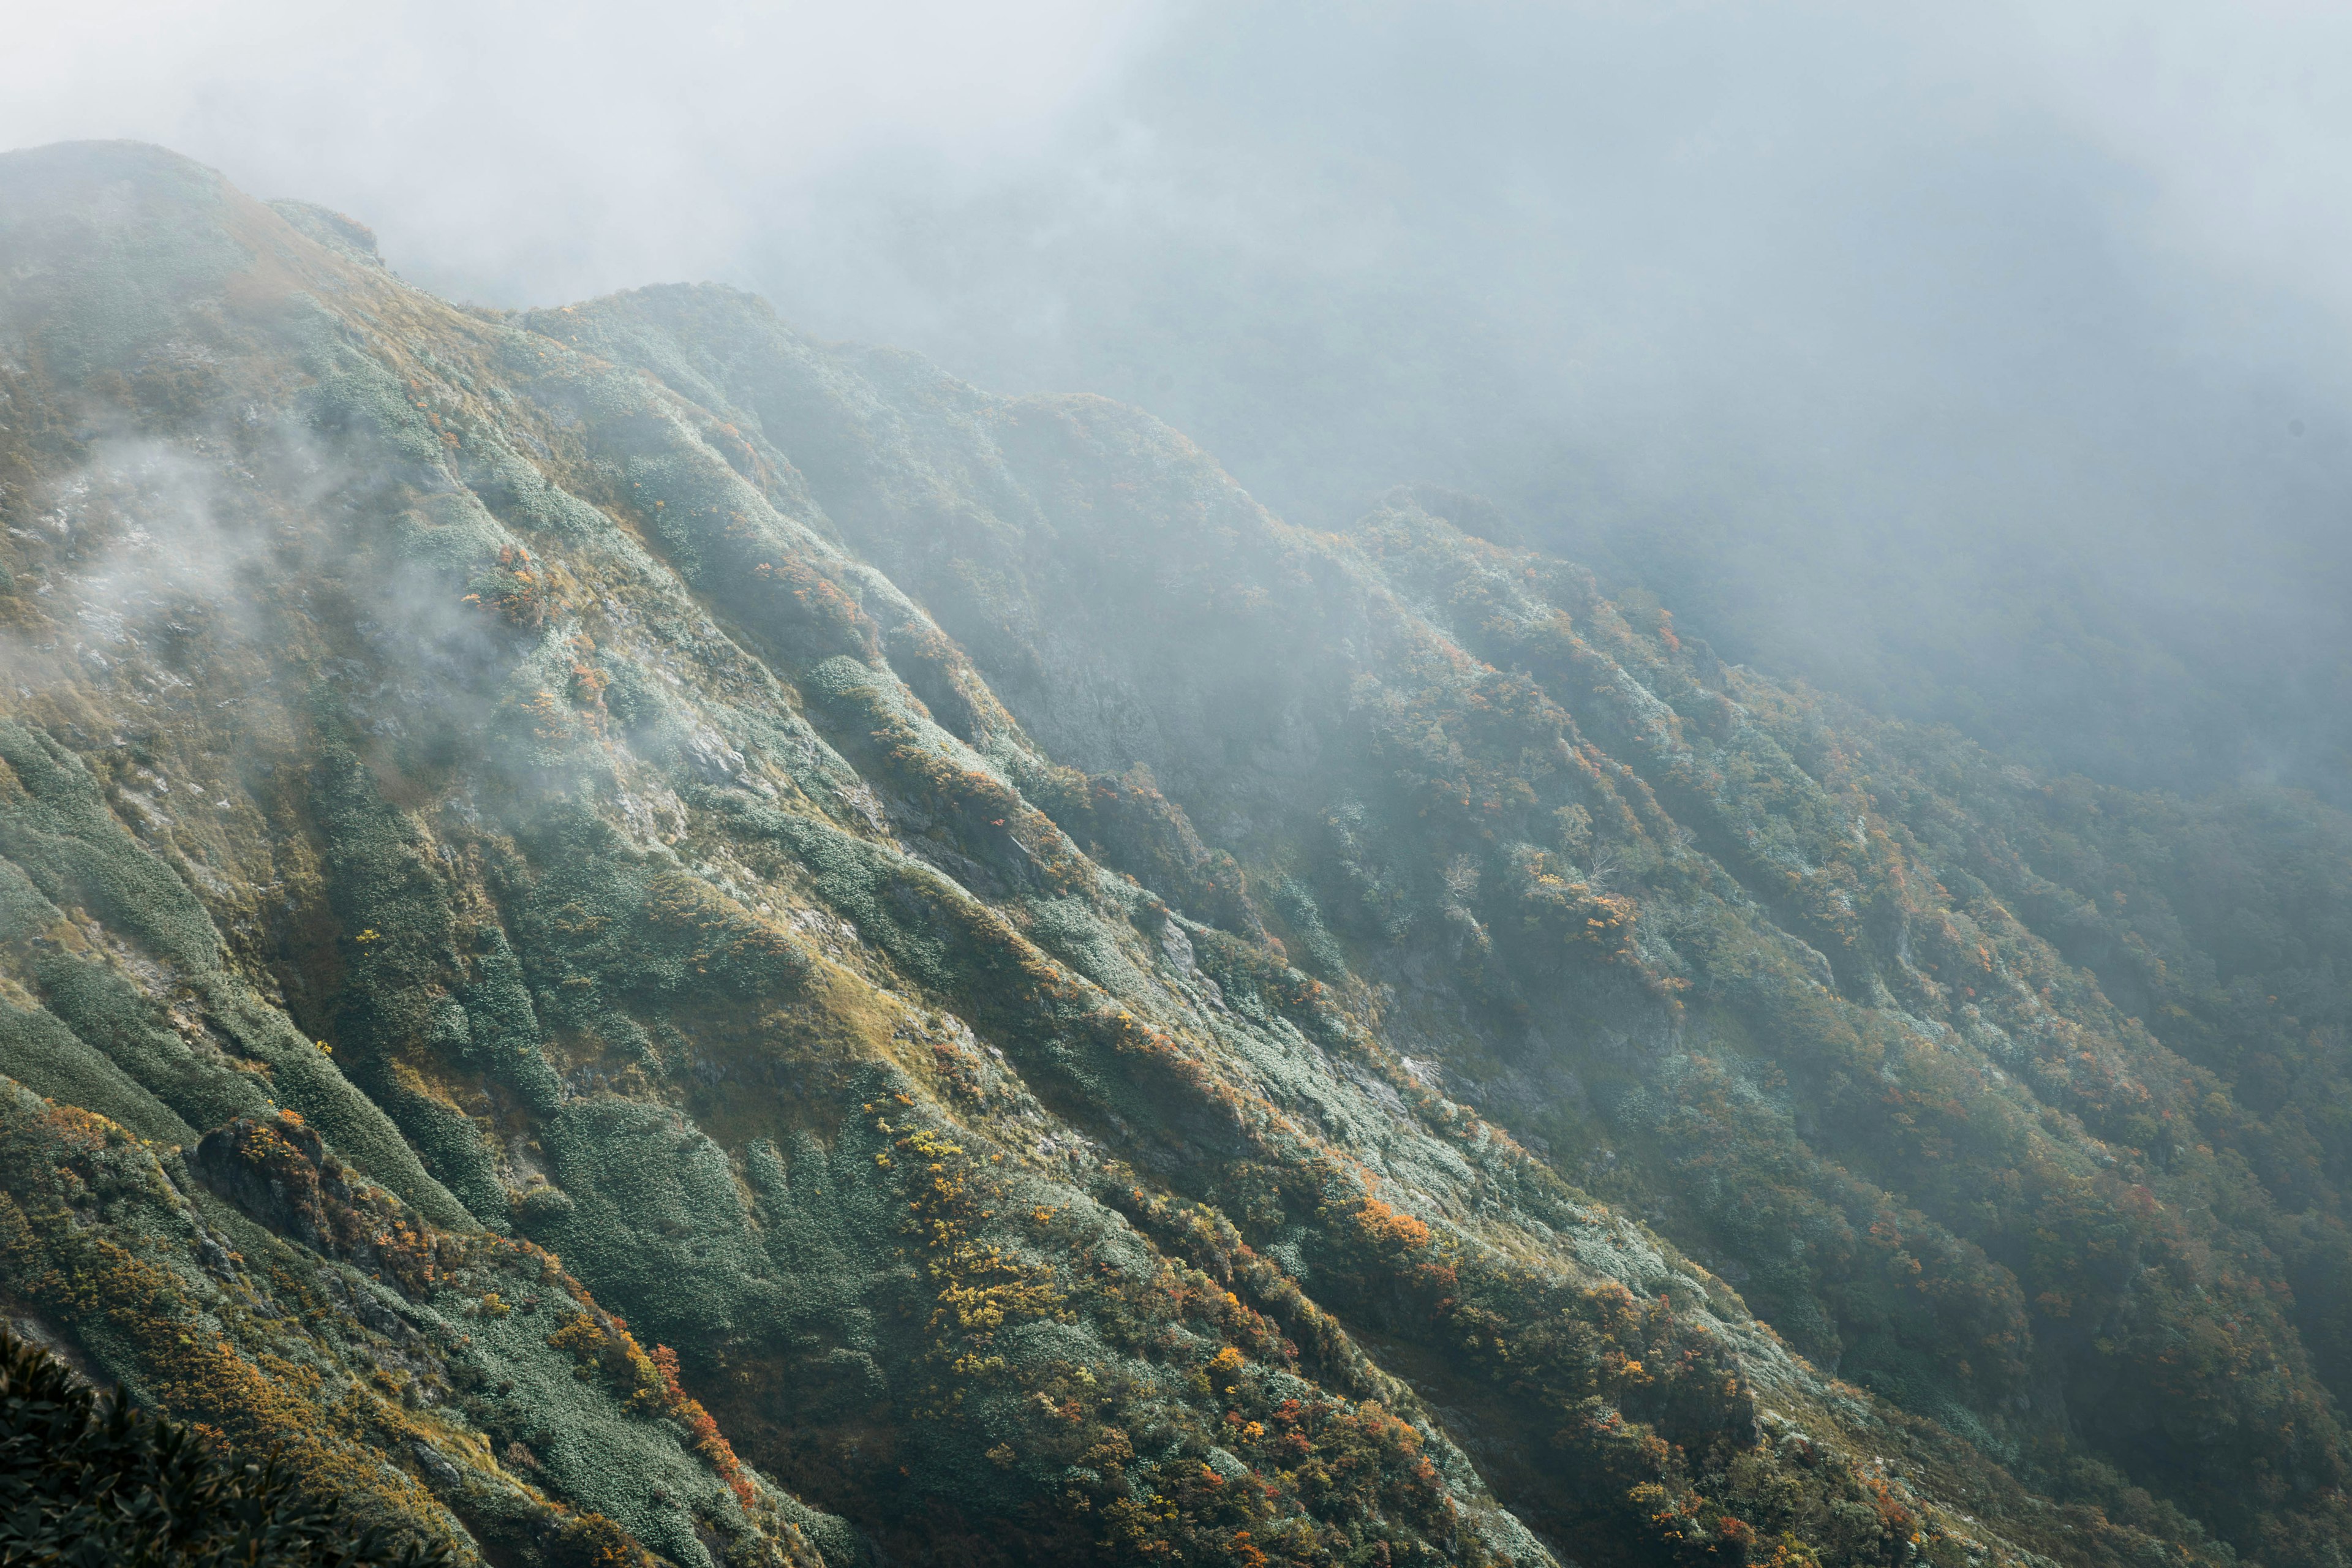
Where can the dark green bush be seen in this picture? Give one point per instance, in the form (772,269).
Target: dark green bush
(90,1481)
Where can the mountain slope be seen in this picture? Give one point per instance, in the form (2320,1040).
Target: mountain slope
(624,928)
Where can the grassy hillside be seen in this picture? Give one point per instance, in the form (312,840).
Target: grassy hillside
(628,933)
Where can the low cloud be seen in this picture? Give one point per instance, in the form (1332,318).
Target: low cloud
(1987,363)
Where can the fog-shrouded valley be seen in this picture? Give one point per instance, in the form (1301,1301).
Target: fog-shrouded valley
(1384,786)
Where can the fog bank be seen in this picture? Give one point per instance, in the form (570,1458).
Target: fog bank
(1986,367)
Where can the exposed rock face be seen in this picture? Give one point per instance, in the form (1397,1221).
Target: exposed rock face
(270,1169)
(627,929)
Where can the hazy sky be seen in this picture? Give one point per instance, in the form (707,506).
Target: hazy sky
(545,151)
(448,114)
(527,148)
(1990,361)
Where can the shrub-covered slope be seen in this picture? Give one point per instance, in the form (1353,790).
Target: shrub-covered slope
(624,933)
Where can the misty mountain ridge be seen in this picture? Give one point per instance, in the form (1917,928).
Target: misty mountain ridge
(626,932)
(1828,326)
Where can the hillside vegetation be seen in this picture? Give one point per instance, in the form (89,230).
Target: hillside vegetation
(621,933)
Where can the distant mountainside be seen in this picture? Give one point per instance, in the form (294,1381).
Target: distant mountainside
(626,932)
